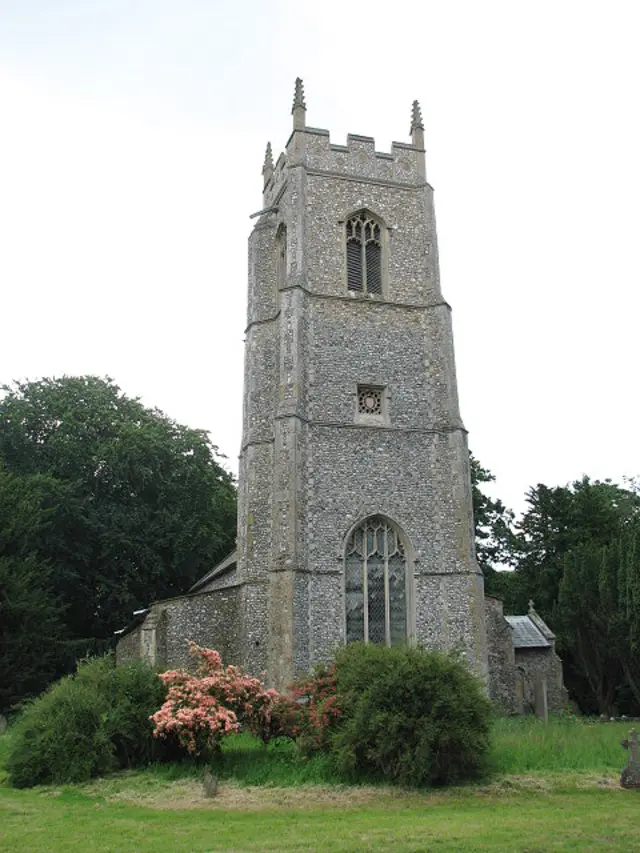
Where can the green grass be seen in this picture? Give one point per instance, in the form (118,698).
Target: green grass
(37,822)
(520,746)
(251,763)
(523,745)
(554,790)
(248,762)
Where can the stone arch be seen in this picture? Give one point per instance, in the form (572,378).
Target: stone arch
(378,582)
(366,251)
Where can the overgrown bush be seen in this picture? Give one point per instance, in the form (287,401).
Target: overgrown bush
(87,724)
(202,708)
(409,716)
(317,710)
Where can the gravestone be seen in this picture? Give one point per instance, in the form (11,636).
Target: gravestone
(209,784)
(540,698)
(630,776)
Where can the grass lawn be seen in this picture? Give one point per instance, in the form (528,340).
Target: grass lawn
(554,788)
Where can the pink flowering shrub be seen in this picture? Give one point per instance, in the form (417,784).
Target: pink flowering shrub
(318,709)
(201,709)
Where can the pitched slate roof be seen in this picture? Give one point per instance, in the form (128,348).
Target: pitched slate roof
(526,634)
(222,568)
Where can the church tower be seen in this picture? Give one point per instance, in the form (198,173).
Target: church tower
(355,516)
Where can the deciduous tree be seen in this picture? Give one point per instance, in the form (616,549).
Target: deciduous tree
(137,506)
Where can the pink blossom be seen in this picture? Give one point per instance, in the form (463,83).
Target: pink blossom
(201,709)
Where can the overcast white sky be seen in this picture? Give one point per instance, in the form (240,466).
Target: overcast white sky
(132,135)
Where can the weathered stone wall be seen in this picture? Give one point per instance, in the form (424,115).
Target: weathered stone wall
(356,472)
(128,647)
(210,619)
(411,275)
(502,669)
(253,633)
(543,662)
(357,159)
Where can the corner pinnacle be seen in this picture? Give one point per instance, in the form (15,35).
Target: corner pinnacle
(416,118)
(267,169)
(268,160)
(298,96)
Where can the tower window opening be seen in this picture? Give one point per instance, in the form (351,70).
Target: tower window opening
(369,400)
(376,584)
(364,254)
(281,256)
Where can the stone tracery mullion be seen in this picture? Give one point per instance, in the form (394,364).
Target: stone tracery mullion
(365,585)
(387,614)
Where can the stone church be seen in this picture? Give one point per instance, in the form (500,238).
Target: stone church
(354,504)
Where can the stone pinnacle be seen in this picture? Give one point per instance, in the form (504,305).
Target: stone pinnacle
(416,117)
(298,97)
(268,160)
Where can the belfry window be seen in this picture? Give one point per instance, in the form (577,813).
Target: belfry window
(376,584)
(364,254)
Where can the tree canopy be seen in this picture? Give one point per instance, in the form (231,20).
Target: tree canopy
(31,615)
(578,558)
(494,535)
(576,552)
(113,502)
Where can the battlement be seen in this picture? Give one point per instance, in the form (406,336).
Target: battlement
(311,147)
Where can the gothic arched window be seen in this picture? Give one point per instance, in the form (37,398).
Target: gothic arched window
(364,253)
(376,584)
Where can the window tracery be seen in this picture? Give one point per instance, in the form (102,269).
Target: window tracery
(369,400)
(376,584)
(364,254)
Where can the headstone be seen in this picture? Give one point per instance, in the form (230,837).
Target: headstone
(209,783)
(540,698)
(630,776)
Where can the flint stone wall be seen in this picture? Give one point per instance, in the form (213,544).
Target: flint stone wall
(128,647)
(502,667)
(546,664)
(208,618)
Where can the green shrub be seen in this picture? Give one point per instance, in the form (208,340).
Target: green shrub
(409,716)
(87,724)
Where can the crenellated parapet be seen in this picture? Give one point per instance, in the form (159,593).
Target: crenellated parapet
(311,148)
(359,159)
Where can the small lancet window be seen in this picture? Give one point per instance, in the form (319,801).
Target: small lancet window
(281,256)
(376,584)
(364,254)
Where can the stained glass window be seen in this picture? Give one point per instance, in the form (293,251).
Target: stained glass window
(376,584)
